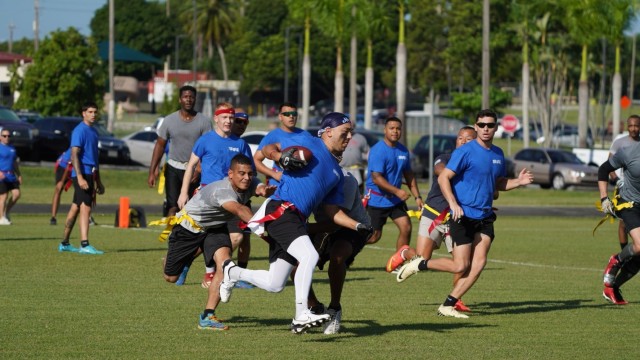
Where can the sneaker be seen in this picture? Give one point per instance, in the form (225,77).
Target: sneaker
(307,320)
(226,286)
(244,285)
(614,296)
(183,276)
(450,311)
(67,248)
(460,306)
(611,271)
(409,268)
(318,309)
(207,280)
(53,221)
(396,259)
(4,221)
(92,221)
(90,250)
(333,326)
(211,322)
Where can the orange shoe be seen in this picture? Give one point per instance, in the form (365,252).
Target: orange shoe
(396,259)
(460,306)
(207,280)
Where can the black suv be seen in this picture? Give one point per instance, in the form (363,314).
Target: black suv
(23,135)
(55,138)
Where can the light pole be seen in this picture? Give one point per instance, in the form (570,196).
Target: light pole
(195,41)
(286,62)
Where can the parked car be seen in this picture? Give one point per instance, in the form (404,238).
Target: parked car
(420,154)
(55,138)
(141,144)
(567,136)
(24,136)
(28,116)
(372,136)
(555,168)
(156,124)
(253,138)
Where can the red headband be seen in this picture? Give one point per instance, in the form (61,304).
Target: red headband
(225,111)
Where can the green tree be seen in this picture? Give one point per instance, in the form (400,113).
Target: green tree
(65,73)
(467,104)
(140,25)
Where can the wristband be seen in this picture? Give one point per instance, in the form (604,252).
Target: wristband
(418,197)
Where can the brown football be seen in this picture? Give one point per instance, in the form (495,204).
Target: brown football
(301,153)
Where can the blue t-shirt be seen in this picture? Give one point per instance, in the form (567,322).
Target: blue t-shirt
(477,170)
(215,153)
(278,136)
(321,181)
(64,158)
(391,162)
(85,137)
(8,157)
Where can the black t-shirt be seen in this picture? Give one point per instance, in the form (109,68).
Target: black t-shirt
(435,199)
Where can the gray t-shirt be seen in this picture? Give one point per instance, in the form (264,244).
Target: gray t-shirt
(628,159)
(356,151)
(205,208)
(618,144)
(183,134)
(352,203)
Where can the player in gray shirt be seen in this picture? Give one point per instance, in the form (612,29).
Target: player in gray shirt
(201,227)
(181,128)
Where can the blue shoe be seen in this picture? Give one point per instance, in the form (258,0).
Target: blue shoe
(67,248)
(211,322)
(90,250)
(244,285)
(183,276)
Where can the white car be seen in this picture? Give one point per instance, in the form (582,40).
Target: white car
(141,144)
(253,138)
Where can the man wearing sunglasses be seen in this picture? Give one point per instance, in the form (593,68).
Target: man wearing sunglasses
(10,178)
(288,116)
(474,172)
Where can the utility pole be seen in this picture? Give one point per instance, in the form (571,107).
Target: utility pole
(11,27)
(195,42)
(36,24)
(112,103)
(486,64)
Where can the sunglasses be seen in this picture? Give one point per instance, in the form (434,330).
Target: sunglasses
(483,125)
(240,121)
(6,136)
(289,113)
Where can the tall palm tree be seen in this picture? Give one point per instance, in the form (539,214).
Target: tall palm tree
(401,72)
(353,65)
(301,11)
(331,18)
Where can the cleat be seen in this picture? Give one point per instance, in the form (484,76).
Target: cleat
(244,285)
(611,271)
(183,276)
(396,259)
(90,250)
(226,286)
(614,296)
(450,311)
(460,306)
(4,221)
(318,309)
(333,326)
(67,248)
(207,280)
(211,322)
(307,320)
(53,221)
(409,269)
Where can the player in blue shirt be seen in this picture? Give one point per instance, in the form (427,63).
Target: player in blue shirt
(10,178)
(474,172)
(302,188)
(86,180)
(288,116)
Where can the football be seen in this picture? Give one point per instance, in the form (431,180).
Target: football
(301,153)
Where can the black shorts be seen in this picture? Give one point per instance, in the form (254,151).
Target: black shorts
(183,245)
(285,229)
(6,186)
(173,183)
(464,230)
(83,196)
(630,216)
(60,172)
(379,215)
(277,252)
(324,242)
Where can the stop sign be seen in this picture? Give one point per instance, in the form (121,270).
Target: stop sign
(510,123)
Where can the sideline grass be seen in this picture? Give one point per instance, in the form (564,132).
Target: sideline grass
(539,298)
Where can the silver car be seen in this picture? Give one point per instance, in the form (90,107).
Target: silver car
(555,168)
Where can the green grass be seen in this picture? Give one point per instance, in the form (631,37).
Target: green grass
(539,298)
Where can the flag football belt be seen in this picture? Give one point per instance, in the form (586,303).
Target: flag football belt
(171,222)
(441,217)
(365,199)
(273,216)
(161,179)
(617,206)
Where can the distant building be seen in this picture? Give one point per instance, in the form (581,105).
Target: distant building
(6,62)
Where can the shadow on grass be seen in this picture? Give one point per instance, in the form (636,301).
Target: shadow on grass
(138,250)
(527,307)
(31,238)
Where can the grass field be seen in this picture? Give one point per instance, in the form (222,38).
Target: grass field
(539,298)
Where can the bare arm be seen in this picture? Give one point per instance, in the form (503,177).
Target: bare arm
(262,168)
(340,217)
(272,152)
(239,210)
(410,177)
(155,161)
(524,178)
(384,185)
(186,180)
(16,170)
(75,160)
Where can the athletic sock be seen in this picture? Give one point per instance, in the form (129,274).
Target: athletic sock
(65,242)
(208,312)
(422,266)
(84,243)
(209,270)
(338,308)
(243,264)
(450,301)
(626,253)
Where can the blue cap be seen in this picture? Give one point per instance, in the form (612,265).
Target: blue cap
(332,120)
(242,115)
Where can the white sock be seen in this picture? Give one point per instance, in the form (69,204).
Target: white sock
(302,249)
(209,270)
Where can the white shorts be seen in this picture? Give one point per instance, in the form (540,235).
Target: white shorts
(438,233)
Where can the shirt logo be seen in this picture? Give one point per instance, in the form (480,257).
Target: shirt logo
(234,149)
(497,161)
(402,157)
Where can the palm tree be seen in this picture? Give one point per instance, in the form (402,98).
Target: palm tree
(331,18)
(301,11)
(401,72)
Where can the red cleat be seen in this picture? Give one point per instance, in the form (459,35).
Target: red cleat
(613,295)
(396,259)
(611,271)
(460,306)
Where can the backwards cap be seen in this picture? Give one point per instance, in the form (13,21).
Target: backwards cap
(332,120)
